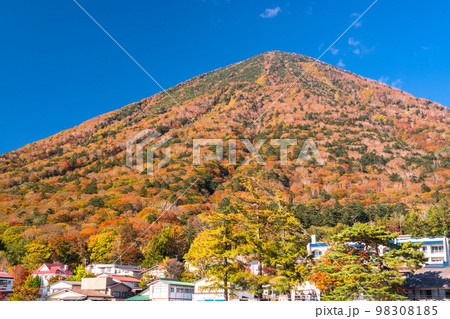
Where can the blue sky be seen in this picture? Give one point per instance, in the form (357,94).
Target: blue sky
(59,69)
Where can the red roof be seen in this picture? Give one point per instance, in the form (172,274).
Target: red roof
(54,269)
(125,279)
(5,275)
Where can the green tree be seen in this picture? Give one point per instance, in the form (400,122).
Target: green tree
(80,273)
(15,244)
(91,188)
(425,188)
(36,253)
(100,246)
(355,267)
(170,242)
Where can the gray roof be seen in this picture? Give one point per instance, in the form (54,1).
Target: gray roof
(429,278)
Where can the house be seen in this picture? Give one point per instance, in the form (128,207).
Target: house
(203,292)
(306,291)
(428,284)
(78,295)
(47,271)
(317,249)
(6,282)
(113,269)
(435,249)
(164,289)
(155,272)
(63,284)
(107,285)
(129,281)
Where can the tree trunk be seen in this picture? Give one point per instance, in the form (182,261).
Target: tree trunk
(225,281)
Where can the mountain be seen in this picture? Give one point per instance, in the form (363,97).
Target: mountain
(386,157)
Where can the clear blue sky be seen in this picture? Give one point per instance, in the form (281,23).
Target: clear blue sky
(59,69)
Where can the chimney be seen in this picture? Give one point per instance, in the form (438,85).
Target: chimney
(313,239)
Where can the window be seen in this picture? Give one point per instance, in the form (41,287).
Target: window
(424,248)
(124,294)
(171,289)
(3,283)
(317,253)
(437,249)
(422,294)
(116,294)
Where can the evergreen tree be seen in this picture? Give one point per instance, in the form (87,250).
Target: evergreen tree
(356,268)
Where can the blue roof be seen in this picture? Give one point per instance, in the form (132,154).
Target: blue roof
(432,242)
(320,245)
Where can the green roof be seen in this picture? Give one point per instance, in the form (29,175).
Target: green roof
(138,298)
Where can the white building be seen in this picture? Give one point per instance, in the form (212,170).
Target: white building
(169,290)
(305,291)
(63,284)
(47,271)
(203,292)
(435,249)
(113,269)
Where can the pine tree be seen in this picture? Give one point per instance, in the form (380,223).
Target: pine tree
(356,268)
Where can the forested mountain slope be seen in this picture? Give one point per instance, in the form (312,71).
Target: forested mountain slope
(71,197)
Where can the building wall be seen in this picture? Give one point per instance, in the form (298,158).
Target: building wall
(99,284)
(165,291)
(202,293)
(119,292)
(60,286)
(428,294)
(6,283)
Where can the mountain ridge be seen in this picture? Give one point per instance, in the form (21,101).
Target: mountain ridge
(200,76)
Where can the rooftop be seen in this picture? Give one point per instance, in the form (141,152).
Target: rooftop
(138,298)
(53,269)
(429,278)
(125,279)
(5,275)
(173,282)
